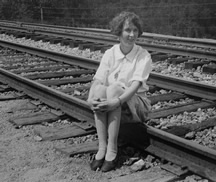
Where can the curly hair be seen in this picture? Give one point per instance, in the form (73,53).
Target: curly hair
(117,23)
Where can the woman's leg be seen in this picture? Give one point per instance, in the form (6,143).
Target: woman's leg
(114,117)
(101,127)
(101,124)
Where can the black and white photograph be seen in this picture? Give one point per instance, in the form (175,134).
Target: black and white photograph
(107,91)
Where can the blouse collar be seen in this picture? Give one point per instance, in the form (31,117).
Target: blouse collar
(130,56)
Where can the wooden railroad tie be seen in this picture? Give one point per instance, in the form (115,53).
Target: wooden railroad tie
(177,60)
(179,109)
(191,65)
(62,132)
(210,69)
(181,131)
(34,118)
(12,96)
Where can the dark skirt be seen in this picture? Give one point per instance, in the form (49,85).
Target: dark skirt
(136,109)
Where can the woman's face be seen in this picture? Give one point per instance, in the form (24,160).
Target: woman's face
(129,35)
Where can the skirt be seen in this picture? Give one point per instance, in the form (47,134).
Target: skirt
(136,109)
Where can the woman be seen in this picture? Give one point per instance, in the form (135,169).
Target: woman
(123,72)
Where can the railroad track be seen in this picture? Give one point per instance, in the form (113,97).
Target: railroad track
(42,78)
(146,36)
(187,63)
(159,43)
(199,67)
(192,57)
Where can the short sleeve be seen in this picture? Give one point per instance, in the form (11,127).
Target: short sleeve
(104,67)
(142,70)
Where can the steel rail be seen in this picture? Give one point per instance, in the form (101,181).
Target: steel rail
(168,82)
(190,155)
(69,59)
(199,159)
(149,46)
(154,37)
(68,104)
(145,35)
(184,86)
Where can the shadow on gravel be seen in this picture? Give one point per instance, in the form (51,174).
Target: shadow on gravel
(134,134)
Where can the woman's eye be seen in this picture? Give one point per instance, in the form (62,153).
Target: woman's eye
(130,30)
(127,30)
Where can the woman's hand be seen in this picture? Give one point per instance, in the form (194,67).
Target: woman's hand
(93,102)
(106,105)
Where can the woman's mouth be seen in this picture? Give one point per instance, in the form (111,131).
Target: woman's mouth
(131,40)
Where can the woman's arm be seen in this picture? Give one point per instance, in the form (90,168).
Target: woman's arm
(92,89)
(108,105)
(129,92)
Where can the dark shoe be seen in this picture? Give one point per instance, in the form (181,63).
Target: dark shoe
(109,165)
(95,164)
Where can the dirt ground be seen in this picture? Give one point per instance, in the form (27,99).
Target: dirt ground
(25,159)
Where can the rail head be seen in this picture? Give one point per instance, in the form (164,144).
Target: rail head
(196,158)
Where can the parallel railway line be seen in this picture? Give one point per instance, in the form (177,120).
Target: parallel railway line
(198,159)
(165,44)
(146,36)
(181,66)
(206,57)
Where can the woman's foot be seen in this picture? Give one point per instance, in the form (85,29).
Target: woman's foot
(109,165)
(100,154)
(95,164)
(98,159)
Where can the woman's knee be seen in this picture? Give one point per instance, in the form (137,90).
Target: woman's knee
(114,90)
(100,91)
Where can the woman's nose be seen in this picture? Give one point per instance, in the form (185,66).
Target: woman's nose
(131,33)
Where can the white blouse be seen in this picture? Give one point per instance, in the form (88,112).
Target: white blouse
(117,67)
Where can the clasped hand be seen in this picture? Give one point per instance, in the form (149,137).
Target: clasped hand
(103,105)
